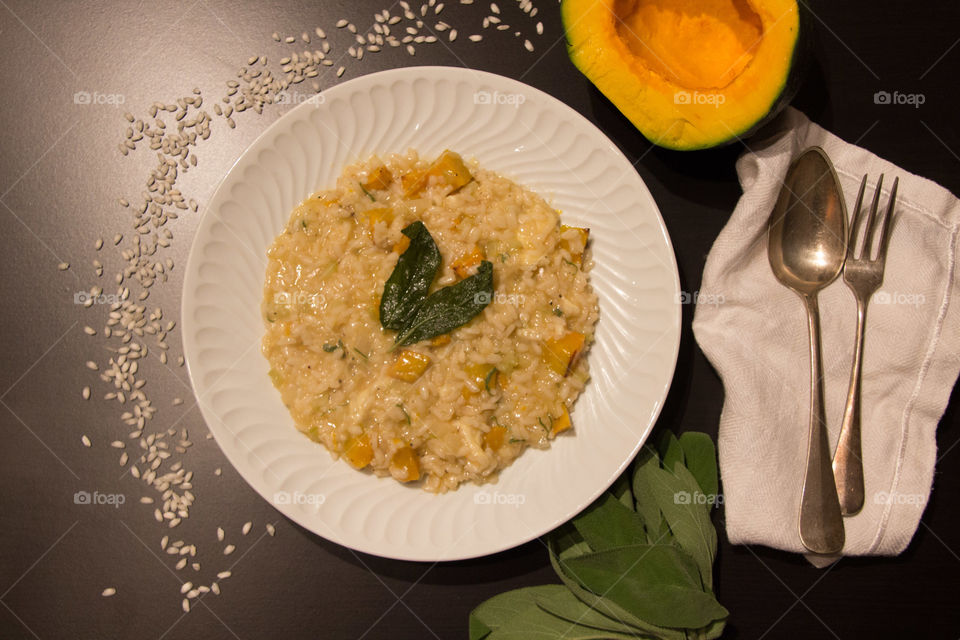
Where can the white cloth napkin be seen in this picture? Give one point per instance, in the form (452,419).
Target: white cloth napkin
(753,330)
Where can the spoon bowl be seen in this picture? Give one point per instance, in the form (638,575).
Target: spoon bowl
(807,246)
(807,231)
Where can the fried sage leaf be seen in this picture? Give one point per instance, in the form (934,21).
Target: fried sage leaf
(410,281)
(448,308)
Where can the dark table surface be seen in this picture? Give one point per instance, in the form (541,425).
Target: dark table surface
(61,175)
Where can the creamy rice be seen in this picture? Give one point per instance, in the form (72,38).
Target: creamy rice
(455,408)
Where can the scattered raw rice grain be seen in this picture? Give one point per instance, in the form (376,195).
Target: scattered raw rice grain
(271,530)
(186,586)
(340,71)
(290,40)
(63,266)
(85,440)
(109,591)
(227,550)
(223,575)
(476,37)
(146,500)
(276,36)
(494,8)
(246,528)
(181,563)
(453,35)
(528,45)
(215,587)
(539,28)
(220,534)
(85,393)
(217,471)
(341,23)
(186,605)
(98,244)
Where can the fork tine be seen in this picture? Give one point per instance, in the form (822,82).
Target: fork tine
(871,219)
(857,215)
(886,223)
(857,218)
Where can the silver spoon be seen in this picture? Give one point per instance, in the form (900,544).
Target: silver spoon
(807,244)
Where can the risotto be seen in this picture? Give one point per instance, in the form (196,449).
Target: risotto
(427,320)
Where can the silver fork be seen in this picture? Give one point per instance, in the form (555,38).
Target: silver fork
(863,275)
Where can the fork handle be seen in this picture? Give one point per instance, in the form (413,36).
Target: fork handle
(847,461)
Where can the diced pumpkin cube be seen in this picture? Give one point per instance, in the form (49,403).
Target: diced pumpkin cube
(379,214)
(561,354)
(577,246)
(450,169)
(402,244)
(480,378)
(379,178)
(562,423)
(440,340)
(357,451)
(409,365)
(404,465)
(276,378)
(495,437)
(413,183)
(462,265)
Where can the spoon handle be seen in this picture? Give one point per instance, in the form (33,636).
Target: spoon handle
(821,523)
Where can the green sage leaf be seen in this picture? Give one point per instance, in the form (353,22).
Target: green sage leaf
(659,584)
(700,455)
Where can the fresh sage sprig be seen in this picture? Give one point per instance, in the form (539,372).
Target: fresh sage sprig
(637,563)
(405,306)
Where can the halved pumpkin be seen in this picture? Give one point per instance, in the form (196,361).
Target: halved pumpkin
(689,74)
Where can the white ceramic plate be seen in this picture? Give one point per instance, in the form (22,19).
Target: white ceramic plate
(523,134)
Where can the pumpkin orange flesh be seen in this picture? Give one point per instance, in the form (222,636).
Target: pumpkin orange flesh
(688,74)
